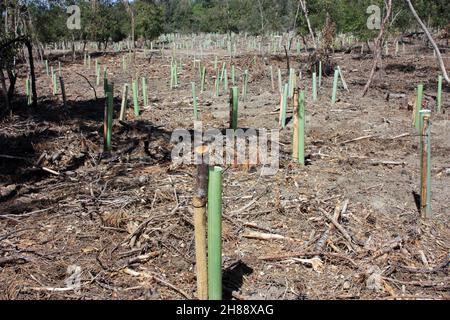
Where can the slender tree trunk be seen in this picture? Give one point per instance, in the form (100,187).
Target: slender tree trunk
(12,84)
(261,13)
(296,16)
(133,25)
(377,49)
(73,49)
(33,76)
(430,39)
(6,16)
(4,90)
(305,11)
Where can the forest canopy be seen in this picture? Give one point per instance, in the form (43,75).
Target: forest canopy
(110,20)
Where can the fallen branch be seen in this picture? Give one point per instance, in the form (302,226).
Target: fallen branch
(391,245)
(443,284)
(388,163)
(357,139)
(93,88)
(267,236)
(401,136)
(14,260)
(340,228)
(56,173)
(158,280)
(308,254)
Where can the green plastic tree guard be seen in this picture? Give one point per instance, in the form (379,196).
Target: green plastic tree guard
(301,128)
(335,81)
(439,94)
(215,234)
(419,99)
(135,98)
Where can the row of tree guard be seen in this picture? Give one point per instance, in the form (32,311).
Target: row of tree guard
(208,197)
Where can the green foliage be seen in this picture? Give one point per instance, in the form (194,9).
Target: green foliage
(111,21)
(149,20)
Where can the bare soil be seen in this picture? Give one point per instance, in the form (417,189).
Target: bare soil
(87,215)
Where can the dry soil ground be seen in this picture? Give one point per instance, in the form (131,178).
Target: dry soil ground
(87,215)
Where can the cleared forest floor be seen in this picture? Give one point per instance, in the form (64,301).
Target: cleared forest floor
(126,220)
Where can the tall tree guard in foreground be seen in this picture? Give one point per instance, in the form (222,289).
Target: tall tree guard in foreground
(377,50)
(199,203)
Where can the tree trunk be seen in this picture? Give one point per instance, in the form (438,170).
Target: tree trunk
(27,42)
(4,90)
(305,11)
(74,56)
(377,49)
(261,13)
(12,84)
(133,27)
(33,76)
(430,39)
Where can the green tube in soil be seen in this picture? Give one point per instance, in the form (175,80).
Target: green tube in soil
(46,67)
(194,101)
(284,105)
(427,174)
(439,94)
(27,86)
(225,81)
(135,98)
(108,120)
(235,103)
(175,74)
(98,75)
(233,75)
(215,234)
(314,87)
(291,82)
(335,81)
(419,99)
(27,89)
(320,74)
(144,91)
(55,84)
(301,128)
(171,76)
(222,73)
